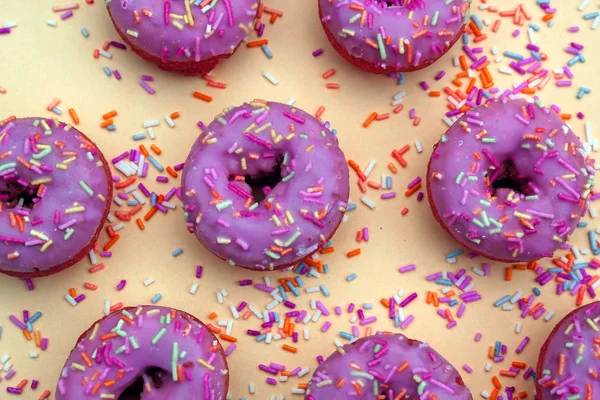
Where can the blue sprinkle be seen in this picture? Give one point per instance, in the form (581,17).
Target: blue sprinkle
(536,55)
(551,23)
(453,303)
(351,277)
(56,111)
(139,136)
(582,224)
(536,291)
(573,60)
(579,266)
(388,182)
(554,270)
(401,79)
(300,267)
(299,281)
(444,282)
(513,55)
(592,239)
(325,268)
(324,290)
(591,15)
(454,253)
(29,326)
(35,317)
(498,348)
(346,335)
(155,163)
(107,71)
(328,244)
(477,21)
(261,338)
(465,38)
(292,288)
(503,300)
(368,306)
(334,132)
(266,50)
(535,27)
(282,293)
(154,199)
(111,128)
(177,252)
(276,317)
(85,32)
(351,207)
(132,203)
(396,320)
(156,298)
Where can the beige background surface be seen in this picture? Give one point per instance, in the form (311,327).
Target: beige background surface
(39,63)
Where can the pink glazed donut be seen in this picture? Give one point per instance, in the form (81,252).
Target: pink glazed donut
(389,365)
(568,360)
(383,37)
(148,353)
(265,185)
(182,36)
(510,180)
(55,193)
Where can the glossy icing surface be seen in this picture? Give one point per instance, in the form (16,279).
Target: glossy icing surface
(54,193)
(397,33)
(121,347)
(568,364)
(297,216)
(178,30)
(391,365)
(510,180)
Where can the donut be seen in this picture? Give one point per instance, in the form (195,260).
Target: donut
(510,181)
(190,38)
(55,193)
(568,361)
(387,365)
(149,353)
(265,185)
(392,36)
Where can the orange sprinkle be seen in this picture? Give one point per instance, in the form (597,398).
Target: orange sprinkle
(289,348)
(74,116)
(106,123)
(496,382)
(353,253)
(332,86)
(257,43)
(370,119)
(140,224)
(508,273)
(203,97)
(111,242)
(228,338)
(212,315)
(435,93)
(156,149)
(175,115)
(90,286)
(109,115)
(172,172)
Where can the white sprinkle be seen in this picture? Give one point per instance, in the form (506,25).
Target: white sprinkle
(367,202)
(148,282)
(150,124)
(369,168)
(106,306)
(170,121)
(51,22)
(270,78)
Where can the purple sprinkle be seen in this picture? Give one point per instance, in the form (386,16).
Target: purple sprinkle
(147,78)
(317,52)
(199,271)
(246,282)
(117,74)
(4,30)
(118,45)
(121,284)
(147,88)
(66,14)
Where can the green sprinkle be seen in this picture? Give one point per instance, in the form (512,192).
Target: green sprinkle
(159,335)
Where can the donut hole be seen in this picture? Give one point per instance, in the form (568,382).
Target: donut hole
(13,193)
(508,177)
(155,376)
(261,184)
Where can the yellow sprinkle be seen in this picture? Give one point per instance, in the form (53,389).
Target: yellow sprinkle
(205,364)
(77,209)
(132,33)
(243,162)
(290,136)
(94,332)
(61,166)
(177,25)
(46,245)
(38,235)
(41,180)
(289,217)
(69,160)
(262,128)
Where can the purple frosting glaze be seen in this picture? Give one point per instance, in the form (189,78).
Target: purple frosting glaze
(568,360)
(389,365)
(122,347)
(163,29)
(510,180)
(297,217)
(53,181)
(408,33)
